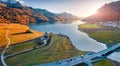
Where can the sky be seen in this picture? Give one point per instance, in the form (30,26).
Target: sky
(81,8)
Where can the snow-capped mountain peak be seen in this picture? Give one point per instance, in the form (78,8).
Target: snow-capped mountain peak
(14,1)
(21,2)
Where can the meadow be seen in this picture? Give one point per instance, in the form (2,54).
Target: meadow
(107,35)
(104,62)
(59,48)
(17,33)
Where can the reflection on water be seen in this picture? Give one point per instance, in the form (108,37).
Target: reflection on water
(79,39)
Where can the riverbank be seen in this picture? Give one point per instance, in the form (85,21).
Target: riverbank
(59,48)
(23,38)
(106,35)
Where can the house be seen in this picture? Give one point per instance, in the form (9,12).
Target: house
(46,36)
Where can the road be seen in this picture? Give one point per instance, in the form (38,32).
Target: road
(98,54)
(3,52)
(86,59)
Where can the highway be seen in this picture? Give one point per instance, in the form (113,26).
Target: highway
(85,59)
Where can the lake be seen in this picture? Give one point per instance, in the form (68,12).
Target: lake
(79,39)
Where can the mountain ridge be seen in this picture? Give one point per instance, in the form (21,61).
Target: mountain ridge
(17,13)
(108,12)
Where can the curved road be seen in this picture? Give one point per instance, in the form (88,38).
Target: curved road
(86,59)
(3,52)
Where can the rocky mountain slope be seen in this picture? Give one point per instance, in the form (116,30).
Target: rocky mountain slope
(16,12)
(68,16)
(108,12)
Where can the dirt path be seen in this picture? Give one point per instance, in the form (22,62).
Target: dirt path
(3,52)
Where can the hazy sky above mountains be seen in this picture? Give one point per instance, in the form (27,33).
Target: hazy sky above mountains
(82,8)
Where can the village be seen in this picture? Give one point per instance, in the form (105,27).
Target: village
(115,24)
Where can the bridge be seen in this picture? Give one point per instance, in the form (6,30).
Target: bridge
(88,59)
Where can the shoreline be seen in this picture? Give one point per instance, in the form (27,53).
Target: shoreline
(95,39)
(70,52)
(78,38)
(89,33)
(76,50)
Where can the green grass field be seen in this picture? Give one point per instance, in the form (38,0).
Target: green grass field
(104,62)
(20,47)
(59,48)
(89,26)
(106,35)
(17,28)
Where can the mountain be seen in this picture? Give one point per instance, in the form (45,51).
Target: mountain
(13,11)
(68,16)
(108,12)
(13,1)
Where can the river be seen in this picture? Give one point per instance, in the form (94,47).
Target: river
(79,39)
